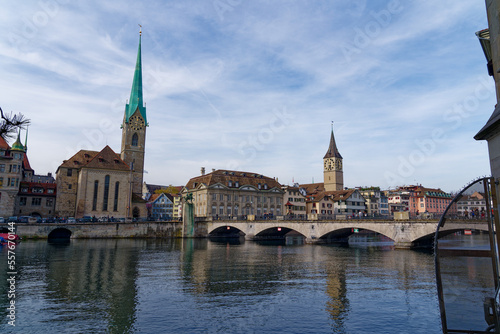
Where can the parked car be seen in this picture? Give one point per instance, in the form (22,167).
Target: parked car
(2,220)
(24,219)
(86,219)
(12,219)
(71,220)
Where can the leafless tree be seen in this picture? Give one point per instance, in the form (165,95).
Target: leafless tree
(10,124)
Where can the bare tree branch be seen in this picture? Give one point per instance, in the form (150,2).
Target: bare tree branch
(10,123)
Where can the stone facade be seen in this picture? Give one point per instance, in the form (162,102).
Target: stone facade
(333,175)
(225,193)
(36,199)
(294,201)
(105,184)
(11,175)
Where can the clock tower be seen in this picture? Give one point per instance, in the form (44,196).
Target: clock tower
(134,128)
(332,167)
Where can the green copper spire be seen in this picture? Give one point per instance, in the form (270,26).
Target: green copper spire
(17,146)
(136,101)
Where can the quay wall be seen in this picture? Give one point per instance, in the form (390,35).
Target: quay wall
(104,230)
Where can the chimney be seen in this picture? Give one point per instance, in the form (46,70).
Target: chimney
(202,170)
(213,170)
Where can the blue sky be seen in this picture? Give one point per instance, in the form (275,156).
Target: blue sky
(255,85)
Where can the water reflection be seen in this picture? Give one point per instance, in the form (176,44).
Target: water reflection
(466,281)
(202,286)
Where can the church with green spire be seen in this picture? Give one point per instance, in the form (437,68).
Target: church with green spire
(104,183)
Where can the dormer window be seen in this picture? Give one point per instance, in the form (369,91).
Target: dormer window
(230,183)
(236,184)
(265,186)
(117,161)
(101,160)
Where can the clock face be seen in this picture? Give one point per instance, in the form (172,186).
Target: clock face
(339,164)
(136,122)
(329,164)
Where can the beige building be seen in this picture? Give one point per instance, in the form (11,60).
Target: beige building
(93,184)
(294,201)
(372,197)
(105,184)
(225,193)
(346,202)
(11,175)
(490,42)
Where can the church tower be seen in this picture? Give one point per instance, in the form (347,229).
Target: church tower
(332,170)
(134,128)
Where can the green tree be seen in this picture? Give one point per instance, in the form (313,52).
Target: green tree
(168,190)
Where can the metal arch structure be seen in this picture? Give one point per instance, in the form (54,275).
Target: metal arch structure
(451,261)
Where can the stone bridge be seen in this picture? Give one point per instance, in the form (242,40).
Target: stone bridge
(405,234)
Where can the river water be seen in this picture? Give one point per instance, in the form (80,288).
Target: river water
(202,286)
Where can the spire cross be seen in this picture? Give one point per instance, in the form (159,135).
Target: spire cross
(140,30)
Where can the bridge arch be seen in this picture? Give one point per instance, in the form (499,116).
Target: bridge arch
(226,231)
(60,233)
(345,231)
(277,232)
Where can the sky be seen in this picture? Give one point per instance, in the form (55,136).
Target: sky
(255,86)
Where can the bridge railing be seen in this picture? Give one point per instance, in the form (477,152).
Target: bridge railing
(295,217)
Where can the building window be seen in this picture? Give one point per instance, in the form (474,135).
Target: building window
(115,204)
(70,186)
(36,201)
(22,201)
(94,201)
(229,183)
(49,202)
(2,168)
(135,140)
(69,172)
(106,194)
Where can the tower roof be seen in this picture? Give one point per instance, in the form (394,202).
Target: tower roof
(332,152)
(17,146)
(136,100)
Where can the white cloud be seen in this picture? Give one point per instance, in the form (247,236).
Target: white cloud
(214,78)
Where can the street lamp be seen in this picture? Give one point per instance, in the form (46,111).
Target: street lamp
(484,40)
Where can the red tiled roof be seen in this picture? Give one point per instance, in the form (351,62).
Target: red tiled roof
(3,144)
(107,159)
(80,159)
(243,178)
(313,188)
(32,185)
(26,163)
(338,195)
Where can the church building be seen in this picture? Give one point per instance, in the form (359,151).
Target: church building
(105,183)
(333,176)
